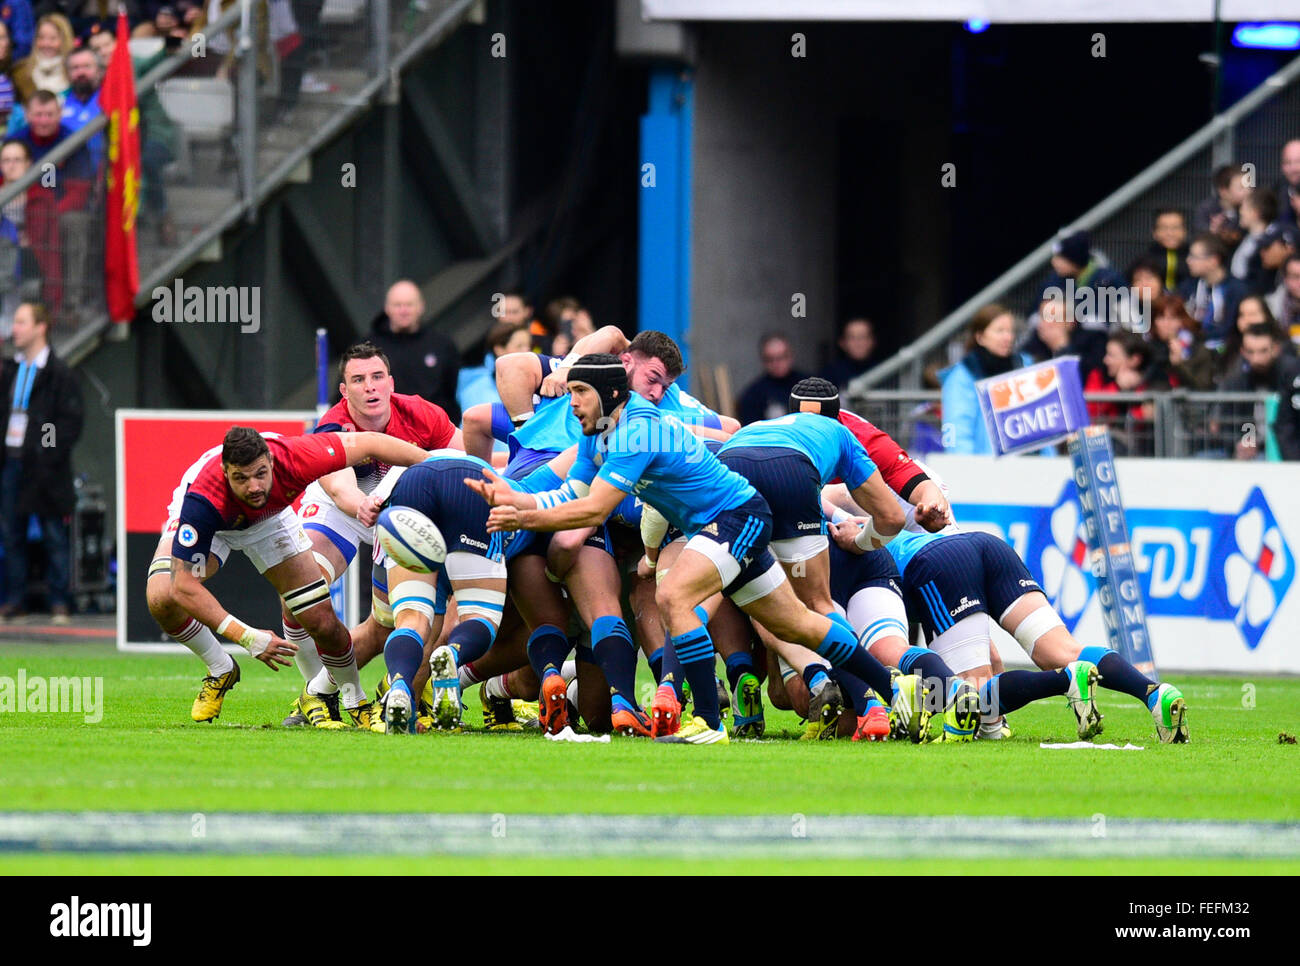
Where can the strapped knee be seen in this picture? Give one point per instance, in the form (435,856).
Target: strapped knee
(486,605)
(412,595)
(307,597)
(1038,623)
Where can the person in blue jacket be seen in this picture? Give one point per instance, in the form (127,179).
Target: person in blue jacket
(990,344)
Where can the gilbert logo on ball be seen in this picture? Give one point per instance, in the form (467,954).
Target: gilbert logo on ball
(1034,406)
(411,539)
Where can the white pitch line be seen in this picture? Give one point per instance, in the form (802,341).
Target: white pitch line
(641,835)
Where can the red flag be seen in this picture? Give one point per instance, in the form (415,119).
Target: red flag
(117,98)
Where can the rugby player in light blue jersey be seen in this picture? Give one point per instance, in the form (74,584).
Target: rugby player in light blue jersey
(955,583)
(630,447)
(532,391)
(788,460)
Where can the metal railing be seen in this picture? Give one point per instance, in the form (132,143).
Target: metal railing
(1176,424)
(1120,225)
(239,109)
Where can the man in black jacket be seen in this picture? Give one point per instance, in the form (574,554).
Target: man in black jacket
(1267,369)
(42,419)
(424,361)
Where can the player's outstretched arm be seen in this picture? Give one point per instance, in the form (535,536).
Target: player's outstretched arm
(343,490)
(381,447)
(273,651)
(589,510)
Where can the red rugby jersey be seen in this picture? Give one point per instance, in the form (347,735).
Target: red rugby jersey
(411,418)
(210,505)
(898,469)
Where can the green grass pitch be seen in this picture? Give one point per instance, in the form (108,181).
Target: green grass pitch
(147,756)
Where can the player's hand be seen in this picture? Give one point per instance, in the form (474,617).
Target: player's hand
(845,534)
(503,519)
(368,511)
(644,570)
(933,516)
(556,384)
(493,489)
(279,653)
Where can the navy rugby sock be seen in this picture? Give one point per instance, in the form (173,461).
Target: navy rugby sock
(403,652)
(694,651)
(1012,690)
(547,649)
(471,639)
(1118,674)
(615,654)
(738,664)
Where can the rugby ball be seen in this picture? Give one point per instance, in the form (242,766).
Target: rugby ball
(410,539)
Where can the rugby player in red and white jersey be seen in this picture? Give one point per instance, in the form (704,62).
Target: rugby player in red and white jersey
(241,499)
(331,505)
(191,633)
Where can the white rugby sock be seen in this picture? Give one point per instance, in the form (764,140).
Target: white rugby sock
(322,684)
(497,688)
(342,670)
(200,639)
(307,658)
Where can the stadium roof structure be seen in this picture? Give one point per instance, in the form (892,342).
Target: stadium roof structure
(985,11)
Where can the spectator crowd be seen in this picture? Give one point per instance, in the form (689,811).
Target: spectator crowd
(1210,307)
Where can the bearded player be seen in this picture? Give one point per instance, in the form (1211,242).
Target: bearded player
(628,446)
(243,499)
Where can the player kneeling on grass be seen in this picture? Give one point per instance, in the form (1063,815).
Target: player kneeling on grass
(954,582)
(241,499)
(628,446)
(473,565)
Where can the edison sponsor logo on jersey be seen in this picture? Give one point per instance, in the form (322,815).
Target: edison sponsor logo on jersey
(473,543)
(1235,567)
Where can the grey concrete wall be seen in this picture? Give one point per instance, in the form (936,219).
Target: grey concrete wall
(763,221)
(770,138)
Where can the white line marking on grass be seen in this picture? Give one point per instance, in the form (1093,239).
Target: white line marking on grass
(643,835)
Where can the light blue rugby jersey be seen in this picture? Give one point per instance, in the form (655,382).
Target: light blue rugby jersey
(654,456)
(553,428)
(827,442)
(907,543)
